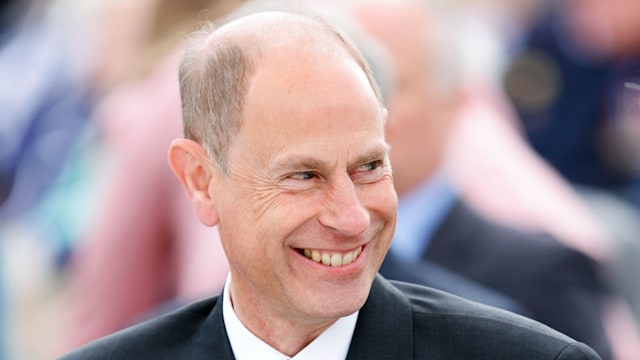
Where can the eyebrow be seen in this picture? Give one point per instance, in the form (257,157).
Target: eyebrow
(378,152)
(303,162)
(299,162)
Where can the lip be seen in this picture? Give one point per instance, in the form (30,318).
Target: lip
(351,268)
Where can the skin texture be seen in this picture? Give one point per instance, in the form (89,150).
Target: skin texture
(308,170)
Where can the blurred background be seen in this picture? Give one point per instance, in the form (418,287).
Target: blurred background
(96,234)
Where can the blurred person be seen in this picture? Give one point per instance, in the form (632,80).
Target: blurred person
(132,35)
(7,18)
(558,285)
(488,151)
(11,13)
(323,184)
(45,108)
(171,259)
(622,220)
(45,101)
(574,85)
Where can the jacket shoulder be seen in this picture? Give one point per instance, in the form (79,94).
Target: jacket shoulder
(164,337)
(453,327)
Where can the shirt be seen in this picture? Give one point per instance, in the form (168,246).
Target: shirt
(420,212)
(333,343)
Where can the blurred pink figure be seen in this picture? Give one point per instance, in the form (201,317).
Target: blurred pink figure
(147,248)
(498,173)
(501,176)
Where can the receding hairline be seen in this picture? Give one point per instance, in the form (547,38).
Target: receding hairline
(249,26)
(249,42)
(269,30)
(258,33)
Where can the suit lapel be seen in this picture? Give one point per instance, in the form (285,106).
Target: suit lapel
(212,342)
(385,325)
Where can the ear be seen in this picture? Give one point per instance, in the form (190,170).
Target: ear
(191,164)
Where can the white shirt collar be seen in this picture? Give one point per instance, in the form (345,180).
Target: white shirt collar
(333,343)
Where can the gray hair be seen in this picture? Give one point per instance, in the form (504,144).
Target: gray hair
(213,81)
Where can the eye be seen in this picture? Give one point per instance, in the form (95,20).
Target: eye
(370,166)
(301,180)
(304,175)
(368,172)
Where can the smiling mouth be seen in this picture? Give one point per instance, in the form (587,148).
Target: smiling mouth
(331,258)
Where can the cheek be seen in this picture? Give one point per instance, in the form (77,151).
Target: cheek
(381,199)
(382,205)
(264,206)
(246,245)
(275,217)
(239,226)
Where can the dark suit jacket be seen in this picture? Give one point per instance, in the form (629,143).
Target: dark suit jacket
(559,286)
(398,321)
(433,275)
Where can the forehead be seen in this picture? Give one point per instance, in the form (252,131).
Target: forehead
(299,94)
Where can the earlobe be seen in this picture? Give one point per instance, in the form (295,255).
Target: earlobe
(190,163)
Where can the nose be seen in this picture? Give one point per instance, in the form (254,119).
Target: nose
(344,212)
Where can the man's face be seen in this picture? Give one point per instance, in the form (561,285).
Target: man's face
(310,179)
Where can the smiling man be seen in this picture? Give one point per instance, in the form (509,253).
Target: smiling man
(285,153)
(303,194)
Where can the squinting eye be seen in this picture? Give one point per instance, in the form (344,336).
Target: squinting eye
(305,175)
(371,165)
(368,172)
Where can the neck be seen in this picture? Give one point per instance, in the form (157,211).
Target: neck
(282,331)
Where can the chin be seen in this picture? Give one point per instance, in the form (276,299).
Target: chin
(341,309)
(335,306)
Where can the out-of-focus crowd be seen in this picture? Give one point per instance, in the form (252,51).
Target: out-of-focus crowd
(520,119)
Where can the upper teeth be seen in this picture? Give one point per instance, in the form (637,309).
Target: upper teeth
(333,258)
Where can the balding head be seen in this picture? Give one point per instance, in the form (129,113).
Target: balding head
(219,63)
